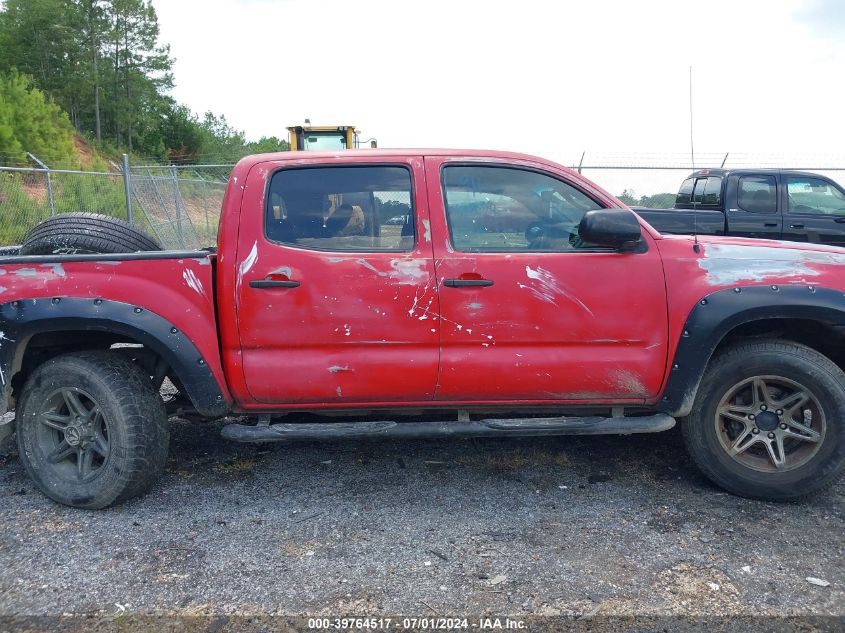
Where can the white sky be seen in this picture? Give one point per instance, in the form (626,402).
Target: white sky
(547,78)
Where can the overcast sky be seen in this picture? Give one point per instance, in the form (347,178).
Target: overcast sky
(548,78)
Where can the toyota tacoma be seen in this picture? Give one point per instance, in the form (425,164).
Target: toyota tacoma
(420,293)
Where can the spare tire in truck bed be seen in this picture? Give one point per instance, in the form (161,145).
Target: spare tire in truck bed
(69,233)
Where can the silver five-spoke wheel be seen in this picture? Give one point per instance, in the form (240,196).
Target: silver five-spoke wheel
(770,423)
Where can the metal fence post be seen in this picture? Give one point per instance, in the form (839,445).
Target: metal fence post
(127,185)
(177,193)
(51,199)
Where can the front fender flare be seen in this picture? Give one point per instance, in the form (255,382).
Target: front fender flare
(720,312)
(20,320)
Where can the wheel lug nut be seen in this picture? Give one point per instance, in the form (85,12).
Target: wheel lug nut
(763,407)
(771,436)
(755,430)
(779,411)
(752,417)
(783,427)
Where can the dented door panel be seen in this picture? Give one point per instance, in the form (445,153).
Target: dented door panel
(349,331)
(557,326)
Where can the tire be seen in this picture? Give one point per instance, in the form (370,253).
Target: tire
(127,441)
(785,442)
(70,233)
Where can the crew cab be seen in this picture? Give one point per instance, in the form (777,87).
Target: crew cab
(762,203)
(427,293)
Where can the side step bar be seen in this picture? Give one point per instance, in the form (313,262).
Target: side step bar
(519,427)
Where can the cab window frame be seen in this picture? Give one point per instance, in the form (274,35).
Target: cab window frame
(525,168)
(268,208)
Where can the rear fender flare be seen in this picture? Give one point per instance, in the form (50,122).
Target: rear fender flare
(22,319)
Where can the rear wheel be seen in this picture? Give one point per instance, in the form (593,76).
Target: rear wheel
(92,430)
(768,421)
(79,233)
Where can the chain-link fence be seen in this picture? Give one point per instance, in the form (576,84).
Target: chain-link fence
(28,196)
(652,179)
(180,205)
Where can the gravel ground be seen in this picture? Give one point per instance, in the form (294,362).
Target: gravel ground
(543,526)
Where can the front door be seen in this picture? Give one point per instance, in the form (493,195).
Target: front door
(330,282)
(529,312)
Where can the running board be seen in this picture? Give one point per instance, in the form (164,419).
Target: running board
(524,427)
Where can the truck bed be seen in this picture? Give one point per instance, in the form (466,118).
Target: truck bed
(84,292)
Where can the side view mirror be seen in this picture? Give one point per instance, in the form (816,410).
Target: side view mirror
(617,228)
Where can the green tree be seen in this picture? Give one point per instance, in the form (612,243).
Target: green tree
(658,201)
(36,123)
(141,68)
(93,29)
(11,150)
(629,197)
(267,144)
(39,39)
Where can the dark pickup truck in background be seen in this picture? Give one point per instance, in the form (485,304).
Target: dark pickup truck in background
(763,203)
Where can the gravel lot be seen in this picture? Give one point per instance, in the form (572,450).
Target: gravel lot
(601,525)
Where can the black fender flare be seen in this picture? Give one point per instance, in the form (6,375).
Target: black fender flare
(720,312)
(22,319)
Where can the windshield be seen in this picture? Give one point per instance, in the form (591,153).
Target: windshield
(323,140)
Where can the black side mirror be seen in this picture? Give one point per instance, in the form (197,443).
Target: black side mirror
(617,228)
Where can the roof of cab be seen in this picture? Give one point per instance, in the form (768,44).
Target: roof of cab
(369,153)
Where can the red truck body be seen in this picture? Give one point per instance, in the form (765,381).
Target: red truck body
(380,330)
(389,283)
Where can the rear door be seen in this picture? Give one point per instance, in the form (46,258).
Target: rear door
(527,311)
(754,208)
(815,210)
(331,282)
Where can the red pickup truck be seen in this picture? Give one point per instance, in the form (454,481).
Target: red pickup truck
(427,293)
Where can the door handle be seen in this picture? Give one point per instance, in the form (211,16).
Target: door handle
(796,226)
(457,283)
(770,224)
(273,283)
(839,220)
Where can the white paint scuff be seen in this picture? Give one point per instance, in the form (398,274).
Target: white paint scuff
(194,282)
(248,263)
(363,262)
(629,383)
(57,269)
(408,271)
(728,264)
(546,288)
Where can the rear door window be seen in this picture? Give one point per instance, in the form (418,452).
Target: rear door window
(362,209)
(757,194)
(712,195)
(685,192)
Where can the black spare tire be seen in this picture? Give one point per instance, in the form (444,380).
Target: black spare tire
(77,233)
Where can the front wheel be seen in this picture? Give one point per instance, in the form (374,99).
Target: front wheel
(92,429)
(768,421)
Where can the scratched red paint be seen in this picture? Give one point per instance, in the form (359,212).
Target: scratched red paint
(380,329)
